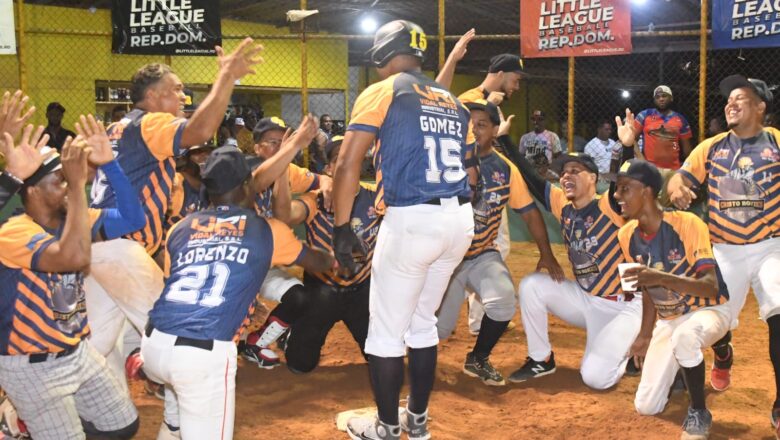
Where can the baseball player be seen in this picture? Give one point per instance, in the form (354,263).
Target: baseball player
(421,159)
(483,269)
(186,191)
(124,280)
(60,385)
(328,297)
(742,171)
(215,261)
(589,225)
(502,80)
(680,280)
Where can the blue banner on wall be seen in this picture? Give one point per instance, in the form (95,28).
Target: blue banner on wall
(745,23)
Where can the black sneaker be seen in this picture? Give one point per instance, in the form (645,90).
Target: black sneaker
(483,369)
(696,425)
(281,343)
(533,369)
(263,357)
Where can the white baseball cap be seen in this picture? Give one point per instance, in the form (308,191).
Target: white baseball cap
(662,89)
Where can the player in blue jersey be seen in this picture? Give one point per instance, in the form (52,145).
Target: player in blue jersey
(215,262)
(483,269)
(423,150)
(326,297)
(679,279)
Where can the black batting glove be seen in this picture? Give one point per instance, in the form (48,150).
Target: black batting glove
(346,246)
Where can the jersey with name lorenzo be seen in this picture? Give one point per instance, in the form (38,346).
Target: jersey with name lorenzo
(422,137)
(743,183)
(145,145)
(680,247)
(319,231)
(215,262)
(591,238)
(500,184)
(40,312)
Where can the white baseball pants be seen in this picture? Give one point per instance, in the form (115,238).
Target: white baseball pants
(417,249)
(677,343)
(756,265)
(612,326)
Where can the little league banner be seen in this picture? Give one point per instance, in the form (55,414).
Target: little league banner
(580,28)
(165,27)
(745,23)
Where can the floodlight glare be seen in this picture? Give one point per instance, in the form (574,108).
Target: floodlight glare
(368,25)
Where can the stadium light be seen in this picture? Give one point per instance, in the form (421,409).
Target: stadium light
(625,94)
(639,2)
(368,24)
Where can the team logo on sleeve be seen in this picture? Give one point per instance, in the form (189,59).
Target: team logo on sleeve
(770,155)
(499,177)
(674,256)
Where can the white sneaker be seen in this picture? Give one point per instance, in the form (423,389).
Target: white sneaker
(415,425)
(364,428)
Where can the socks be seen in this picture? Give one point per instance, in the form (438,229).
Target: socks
(387,377)
(489,333)
(694,380)
(422,372)
(774,353)
(721,349)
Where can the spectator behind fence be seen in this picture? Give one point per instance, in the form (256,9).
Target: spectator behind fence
(600,148)
(540,146)
(579,141)
(118,112)
(57,134)
(664,132)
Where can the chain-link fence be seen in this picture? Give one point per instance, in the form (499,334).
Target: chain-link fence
(65,56)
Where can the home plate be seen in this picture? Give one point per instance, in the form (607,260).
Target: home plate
(344,416)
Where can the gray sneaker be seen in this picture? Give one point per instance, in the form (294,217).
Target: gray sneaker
(696,425)
(483,369)
(415,425)
(371,428)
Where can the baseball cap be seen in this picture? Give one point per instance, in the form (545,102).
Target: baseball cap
(506,62)
(189,103)
(643,171)
(737,81)
(225,170)
(662,89)
(487,107)
(266,124)
(334,143)
(50,165)
(583,159)
(203,146)
(55,106)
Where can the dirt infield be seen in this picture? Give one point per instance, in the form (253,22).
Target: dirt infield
(280,405)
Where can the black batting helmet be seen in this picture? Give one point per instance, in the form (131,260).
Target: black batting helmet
(399,37)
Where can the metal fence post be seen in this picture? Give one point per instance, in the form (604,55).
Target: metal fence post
(702,69)
(441,34)
(304,80)
(22,48)
(570,114)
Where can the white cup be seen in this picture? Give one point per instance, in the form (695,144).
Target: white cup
(628,286)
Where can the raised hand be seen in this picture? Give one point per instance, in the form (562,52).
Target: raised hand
(625,129)
(94,133)
(496,97)
(25,158)
(74,161)
(460,49)
(242,61)
(505,125)
(306,131)
(12,114)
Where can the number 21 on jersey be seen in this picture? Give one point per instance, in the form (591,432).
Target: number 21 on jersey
(187,289)
(448,151)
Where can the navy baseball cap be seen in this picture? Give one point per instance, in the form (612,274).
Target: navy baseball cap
(643,171)
(49,165)
(189,101)
(266,124)
(225,170)
(738,81)
(487,107)
(332,146)
(582,159)
(506,62)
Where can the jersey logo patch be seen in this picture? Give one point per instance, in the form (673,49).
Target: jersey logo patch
(499,177)
(674,256)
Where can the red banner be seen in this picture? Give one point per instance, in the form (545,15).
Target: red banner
(580,28)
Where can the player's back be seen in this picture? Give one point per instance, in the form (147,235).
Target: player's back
(421,131)
(215,262)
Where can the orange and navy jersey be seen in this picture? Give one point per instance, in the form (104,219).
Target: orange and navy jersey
(145,145)
(319,232)
(591,238)
(40,312)
(215,262)
(500,183)
(301,181)
(743,183)
(185,199)
(422,139)
(661,136)
(473,95)
(680,247)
